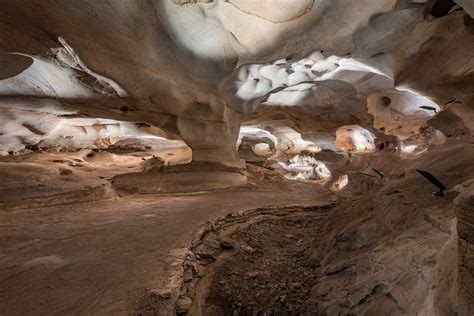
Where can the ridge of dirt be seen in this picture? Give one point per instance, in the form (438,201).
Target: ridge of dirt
(206,248)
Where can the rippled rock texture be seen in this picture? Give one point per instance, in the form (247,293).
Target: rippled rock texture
(119,97)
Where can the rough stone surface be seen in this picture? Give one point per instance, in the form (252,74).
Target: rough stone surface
(115,113)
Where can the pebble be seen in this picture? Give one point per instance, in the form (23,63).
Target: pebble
(161,293)
(252,274)
(183,305)
(247,248)
(226,244)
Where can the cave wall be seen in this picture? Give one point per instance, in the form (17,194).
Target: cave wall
(300,87)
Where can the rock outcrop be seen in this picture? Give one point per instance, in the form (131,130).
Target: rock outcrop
(117,98)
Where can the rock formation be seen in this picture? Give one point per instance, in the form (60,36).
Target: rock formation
(114,99)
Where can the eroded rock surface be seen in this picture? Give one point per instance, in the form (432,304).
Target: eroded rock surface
(109,100)
(363,256)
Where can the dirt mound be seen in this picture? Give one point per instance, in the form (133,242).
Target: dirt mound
(272,271)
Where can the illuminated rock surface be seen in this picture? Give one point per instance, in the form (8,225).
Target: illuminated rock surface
(121,121)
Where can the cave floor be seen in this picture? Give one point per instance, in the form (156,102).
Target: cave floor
(101,257)
(106,255)
(386,254)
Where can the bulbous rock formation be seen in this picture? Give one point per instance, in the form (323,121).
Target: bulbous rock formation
(121,98)
(161,77)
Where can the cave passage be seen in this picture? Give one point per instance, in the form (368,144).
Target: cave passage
(240,157)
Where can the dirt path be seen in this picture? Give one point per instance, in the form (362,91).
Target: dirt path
(99,258)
